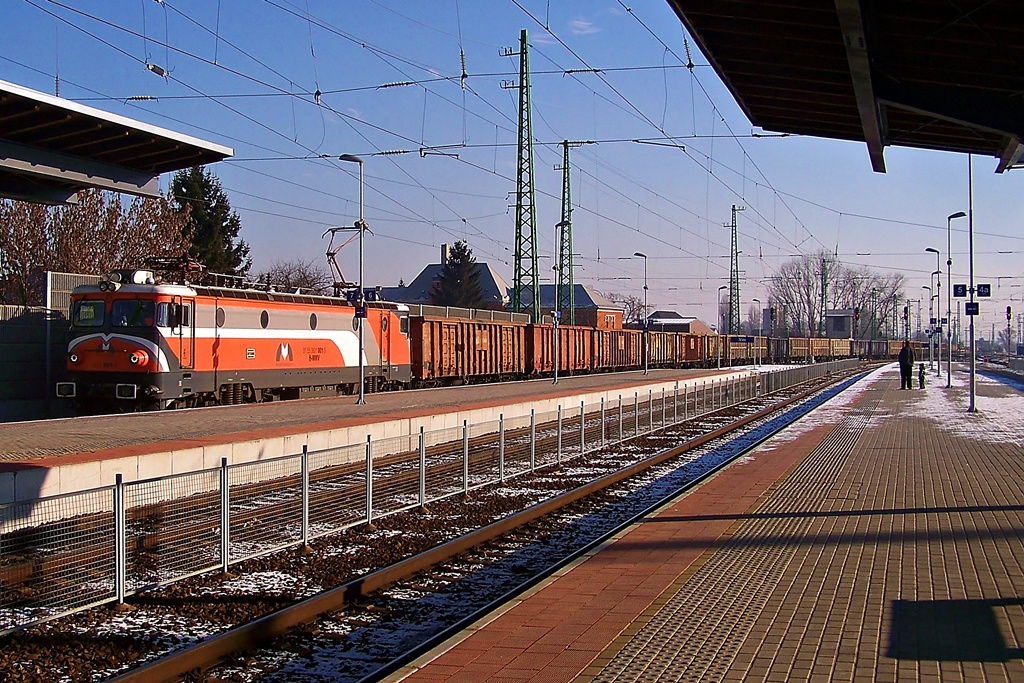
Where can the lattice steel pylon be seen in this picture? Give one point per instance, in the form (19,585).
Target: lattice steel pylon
(527,276)
(734,277)
(565,297)
(822,318)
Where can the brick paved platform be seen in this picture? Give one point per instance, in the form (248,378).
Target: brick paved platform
(881,538)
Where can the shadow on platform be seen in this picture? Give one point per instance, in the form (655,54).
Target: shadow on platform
(950,631)
(812,514)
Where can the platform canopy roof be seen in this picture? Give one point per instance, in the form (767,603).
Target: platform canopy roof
(51,148)
(943,75)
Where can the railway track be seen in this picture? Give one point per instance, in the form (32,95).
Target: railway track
(419,540)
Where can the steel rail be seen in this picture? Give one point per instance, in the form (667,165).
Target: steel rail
(209,652)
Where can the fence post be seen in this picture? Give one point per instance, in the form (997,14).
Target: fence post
(675,404)
(703,397)
(423,467)
(533,439)
(558,438)
(465,457)
(120,543)
(369,481)
(664,408)
(501,446)
(636,413)
(305,494)
(620,418)
(604,439)
(650,410)
(583,428)
(225,516)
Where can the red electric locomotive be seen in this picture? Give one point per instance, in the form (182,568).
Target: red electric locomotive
(143,344)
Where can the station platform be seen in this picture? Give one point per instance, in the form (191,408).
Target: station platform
(52,457)
(880,538)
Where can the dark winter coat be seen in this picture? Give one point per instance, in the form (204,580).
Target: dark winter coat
(907,357)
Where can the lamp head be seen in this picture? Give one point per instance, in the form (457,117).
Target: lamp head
(637,253)
(350,157)
(958,214)
(932,249)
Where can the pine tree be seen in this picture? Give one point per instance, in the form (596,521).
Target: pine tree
(459,281)
(214,227)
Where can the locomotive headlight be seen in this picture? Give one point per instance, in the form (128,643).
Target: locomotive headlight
(139,358)
(73,357)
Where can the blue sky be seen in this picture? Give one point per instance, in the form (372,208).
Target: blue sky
(243,74)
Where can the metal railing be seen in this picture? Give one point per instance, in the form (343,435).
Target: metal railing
(66,553)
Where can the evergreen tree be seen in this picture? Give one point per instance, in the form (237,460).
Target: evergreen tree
(213,226)
(459,281)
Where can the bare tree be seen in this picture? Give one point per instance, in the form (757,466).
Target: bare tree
(752,324)
(633,306)
(795,294)
(99,233)
(289,275)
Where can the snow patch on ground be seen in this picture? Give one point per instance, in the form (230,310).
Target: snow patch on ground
(829,413)
(1000,409)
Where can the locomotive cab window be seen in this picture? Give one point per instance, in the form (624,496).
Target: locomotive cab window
(87,313)
(173,315)
(403,324)
(132,313)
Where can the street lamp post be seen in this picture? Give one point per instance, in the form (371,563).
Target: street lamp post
(971,407)
(949,300)
(760,312)
(938,314)
(720,337)
(647,336)
(361,295)
(931,347)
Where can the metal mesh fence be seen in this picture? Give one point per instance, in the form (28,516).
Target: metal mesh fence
(484,451)
(443,473)
(56,556)
(173,527)
(61,554)
(265,506)
(517,445)
(547,438)
(396,479)
(337,489)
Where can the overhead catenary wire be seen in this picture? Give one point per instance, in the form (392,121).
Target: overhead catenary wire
(667,137)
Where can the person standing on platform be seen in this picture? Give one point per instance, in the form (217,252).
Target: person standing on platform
(906,366)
